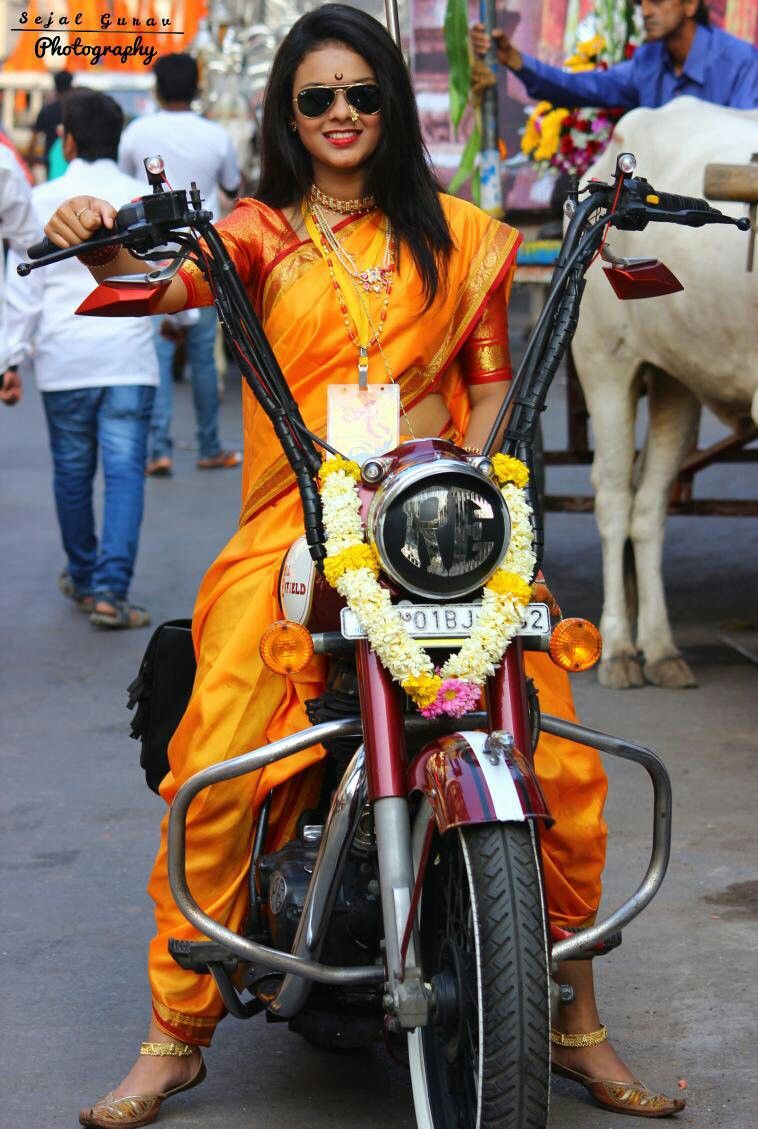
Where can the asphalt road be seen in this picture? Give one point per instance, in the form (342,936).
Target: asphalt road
(79,828)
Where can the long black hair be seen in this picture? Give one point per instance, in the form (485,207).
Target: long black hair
(397,173)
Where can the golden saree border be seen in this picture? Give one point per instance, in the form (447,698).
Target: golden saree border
(489,268)
(197,1030)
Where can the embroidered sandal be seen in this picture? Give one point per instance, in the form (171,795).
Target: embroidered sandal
(621,1097)
(133,1110)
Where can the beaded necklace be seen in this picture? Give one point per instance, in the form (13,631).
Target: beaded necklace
(387,271)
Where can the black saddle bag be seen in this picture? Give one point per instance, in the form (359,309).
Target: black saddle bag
(160,693)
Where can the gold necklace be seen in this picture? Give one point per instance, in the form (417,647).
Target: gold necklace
(342,207)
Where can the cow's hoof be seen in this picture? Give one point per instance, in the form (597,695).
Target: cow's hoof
(622,672)
(671,672)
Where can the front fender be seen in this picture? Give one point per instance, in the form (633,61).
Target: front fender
(477,777)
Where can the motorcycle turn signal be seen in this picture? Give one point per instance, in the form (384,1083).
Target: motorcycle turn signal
(286,647)
(575,644)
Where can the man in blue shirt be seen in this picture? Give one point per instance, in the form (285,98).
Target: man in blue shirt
(681,55)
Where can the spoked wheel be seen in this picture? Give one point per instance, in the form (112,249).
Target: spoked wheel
(483,1061)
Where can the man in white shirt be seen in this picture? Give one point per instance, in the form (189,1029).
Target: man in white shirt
(20,228)
(97,377)
(192,149)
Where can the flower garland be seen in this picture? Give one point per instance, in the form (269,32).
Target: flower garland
(352,567)
(571,140)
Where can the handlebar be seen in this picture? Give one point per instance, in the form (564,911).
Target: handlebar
(639,204)
(169,217)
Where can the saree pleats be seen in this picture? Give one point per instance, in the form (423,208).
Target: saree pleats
(237,704)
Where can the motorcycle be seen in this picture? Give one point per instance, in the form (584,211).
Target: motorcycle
(409,904)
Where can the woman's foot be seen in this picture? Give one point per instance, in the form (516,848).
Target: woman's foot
(154,1076)
(600,1061)
(597,1066)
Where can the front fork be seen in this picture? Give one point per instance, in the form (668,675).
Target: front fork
(407,997)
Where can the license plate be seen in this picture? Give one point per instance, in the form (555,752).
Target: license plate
(446,621)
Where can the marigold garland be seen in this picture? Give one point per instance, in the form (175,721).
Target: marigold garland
(352,567)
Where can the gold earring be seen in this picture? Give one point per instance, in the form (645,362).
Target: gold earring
(293,125)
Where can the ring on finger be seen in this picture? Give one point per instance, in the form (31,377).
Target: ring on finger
(81,211)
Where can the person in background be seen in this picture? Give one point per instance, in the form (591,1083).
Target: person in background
(682,54)
(192,149)
(45,130)
(19,227)
(97,378)
(6,143)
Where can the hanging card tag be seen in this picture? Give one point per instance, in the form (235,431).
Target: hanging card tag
(363,422)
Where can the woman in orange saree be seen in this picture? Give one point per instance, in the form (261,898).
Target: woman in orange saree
(436,325)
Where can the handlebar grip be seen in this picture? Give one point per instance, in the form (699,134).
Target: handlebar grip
(669,202)
(44,247)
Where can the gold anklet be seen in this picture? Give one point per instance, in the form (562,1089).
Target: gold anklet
(591,1039)
(179,1050)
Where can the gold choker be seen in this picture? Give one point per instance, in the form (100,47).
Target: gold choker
(344,207)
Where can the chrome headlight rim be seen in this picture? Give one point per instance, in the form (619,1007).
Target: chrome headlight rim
(397,483)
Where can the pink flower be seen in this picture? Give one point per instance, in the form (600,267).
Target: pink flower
(454,698)
(599,124)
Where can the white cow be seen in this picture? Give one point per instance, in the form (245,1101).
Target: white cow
(691,348)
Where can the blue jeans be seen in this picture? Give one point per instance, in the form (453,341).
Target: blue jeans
(201,339)
(115,419)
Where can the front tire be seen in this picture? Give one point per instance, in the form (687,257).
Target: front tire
(483,1061)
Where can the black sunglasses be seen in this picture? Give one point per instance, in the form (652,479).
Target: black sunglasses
(314,101)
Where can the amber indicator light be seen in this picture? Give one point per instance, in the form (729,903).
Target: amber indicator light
(575,644)
(286,647)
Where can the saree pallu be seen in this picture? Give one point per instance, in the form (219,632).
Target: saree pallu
(238,704)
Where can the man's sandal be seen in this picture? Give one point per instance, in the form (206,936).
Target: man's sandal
(159,468)
(222,461)
(139,1109)
(120,614)
(84,601)
(621,1097)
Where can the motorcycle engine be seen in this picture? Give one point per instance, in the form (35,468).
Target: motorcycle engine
(282,881)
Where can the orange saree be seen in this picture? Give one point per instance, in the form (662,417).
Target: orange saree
(237,704)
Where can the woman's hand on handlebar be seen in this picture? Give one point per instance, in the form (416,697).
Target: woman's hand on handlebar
(78,219)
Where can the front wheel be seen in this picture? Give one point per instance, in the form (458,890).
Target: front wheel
(483,1060)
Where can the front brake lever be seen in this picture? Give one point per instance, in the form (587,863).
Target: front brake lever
(160,277)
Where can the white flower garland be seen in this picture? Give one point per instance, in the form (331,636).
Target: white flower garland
(352,568)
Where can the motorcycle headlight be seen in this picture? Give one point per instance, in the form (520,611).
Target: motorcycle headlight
(440,529)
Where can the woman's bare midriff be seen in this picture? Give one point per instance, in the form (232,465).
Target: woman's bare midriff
(427,419)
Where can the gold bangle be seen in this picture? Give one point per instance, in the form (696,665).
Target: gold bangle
(590,1039)
(178,1050)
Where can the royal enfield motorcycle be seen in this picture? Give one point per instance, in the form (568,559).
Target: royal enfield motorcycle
(409,905)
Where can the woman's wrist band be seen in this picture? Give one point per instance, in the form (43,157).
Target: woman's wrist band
(100,256)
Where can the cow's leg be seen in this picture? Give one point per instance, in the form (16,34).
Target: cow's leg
(674,418)
(612,403)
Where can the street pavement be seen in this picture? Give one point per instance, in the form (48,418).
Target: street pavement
(79,828)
